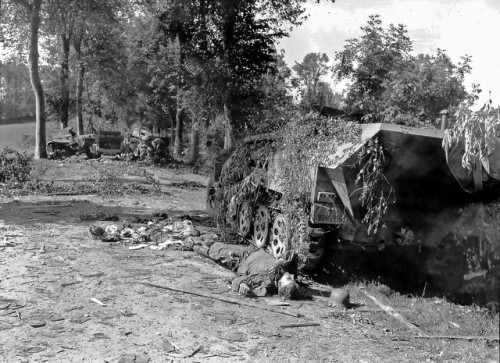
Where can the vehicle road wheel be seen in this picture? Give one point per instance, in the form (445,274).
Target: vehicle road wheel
(261,226)
(244,216)
(279,236)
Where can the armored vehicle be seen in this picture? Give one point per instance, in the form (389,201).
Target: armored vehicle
(434,199)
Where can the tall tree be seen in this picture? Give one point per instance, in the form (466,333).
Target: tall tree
(389,84)
(424,86)
(16,14)
(366,61)
(61,21)
(91,19)
(311,74)
(235,41)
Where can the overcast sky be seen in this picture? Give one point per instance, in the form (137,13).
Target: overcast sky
(458,26)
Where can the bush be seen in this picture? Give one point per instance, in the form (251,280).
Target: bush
(15,168)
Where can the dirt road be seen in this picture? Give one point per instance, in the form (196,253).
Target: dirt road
(66,297)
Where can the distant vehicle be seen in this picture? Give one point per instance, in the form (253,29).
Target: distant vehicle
(107,143)
(66,143)
(140,139)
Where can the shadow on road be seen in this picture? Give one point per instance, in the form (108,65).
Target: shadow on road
(87,212)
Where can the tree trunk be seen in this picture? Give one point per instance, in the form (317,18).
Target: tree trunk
(206,124)
(229,42)
(172,134)
(40,143)
(79,100)
(179,127)
(172,127)
(64,109)
(194,147)
(229,135)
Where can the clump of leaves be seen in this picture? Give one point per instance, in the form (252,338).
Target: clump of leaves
(371,177)
(15,168)
(309,141)
(238,182)
(477,130)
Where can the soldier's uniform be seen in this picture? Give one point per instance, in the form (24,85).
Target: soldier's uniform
(253,266)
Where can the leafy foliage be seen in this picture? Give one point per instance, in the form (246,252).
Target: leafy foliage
(477,131)
(389,84)
(15,168)
(310,80)
(373,196)
(367,62)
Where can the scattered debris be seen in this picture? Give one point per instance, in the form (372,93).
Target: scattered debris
(55,318)
(132,358)
(138,247)
(36,323)
(64,284)
(79,307)
(127,313)
(167,346)
(98,302)
(26,351)
(277,303)
(225,299)
(97,274)
(48,334)
(157,231)
(473,275)
(80,320)
(97,336)
(194,351)
(165,244)
(389,310)
(236,336)
(13,235)
(299,325)
(461,337)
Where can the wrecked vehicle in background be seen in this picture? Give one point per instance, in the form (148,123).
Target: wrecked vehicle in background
(107,143)
(66,143)
(432,204)
(141,142)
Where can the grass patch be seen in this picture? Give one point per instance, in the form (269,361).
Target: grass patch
(434,316)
